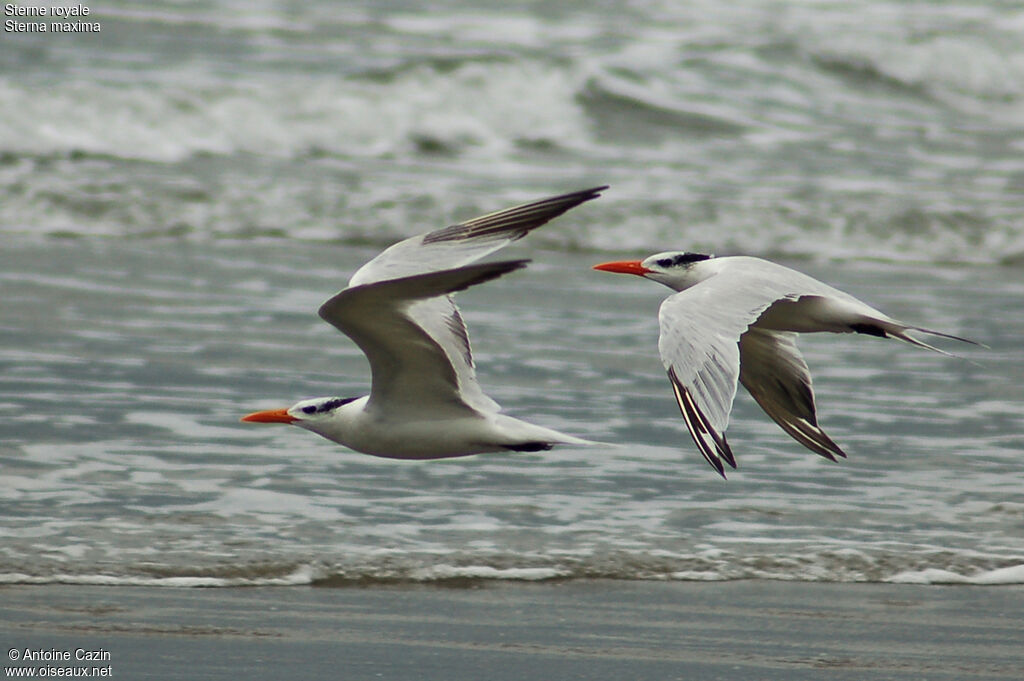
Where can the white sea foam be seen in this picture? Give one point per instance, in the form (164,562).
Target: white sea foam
(451,572)
(302,575)
(1000,576)
(804,568)
(482,110)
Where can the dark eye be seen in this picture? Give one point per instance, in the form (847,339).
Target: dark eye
(665,262)
(311,409)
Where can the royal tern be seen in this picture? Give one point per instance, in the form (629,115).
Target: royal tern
(424,401)
(736,318)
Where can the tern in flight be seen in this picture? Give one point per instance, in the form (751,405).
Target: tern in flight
(424,401)
(736,318)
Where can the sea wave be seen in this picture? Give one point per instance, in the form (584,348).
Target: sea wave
(818,131)
(840,566)
(480,108)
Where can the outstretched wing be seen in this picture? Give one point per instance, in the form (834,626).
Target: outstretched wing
(466,242)
(413,369)
(699,346)
(776,375)
(452,247)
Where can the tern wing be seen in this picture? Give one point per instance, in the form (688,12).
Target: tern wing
(466,242)
(441,320)
(699,346)
(407,336)
(776,375)
(453,247)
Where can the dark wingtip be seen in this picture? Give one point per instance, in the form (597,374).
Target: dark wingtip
(583,194)
(698,426)
(725,451)
(517,221)
(715,462)
(564,202)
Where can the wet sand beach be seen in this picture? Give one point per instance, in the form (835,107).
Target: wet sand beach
(589,629)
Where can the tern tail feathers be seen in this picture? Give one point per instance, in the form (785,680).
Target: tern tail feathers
(887,328)
(907,338)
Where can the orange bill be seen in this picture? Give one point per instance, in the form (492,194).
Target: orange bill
(623,267)
(270,416)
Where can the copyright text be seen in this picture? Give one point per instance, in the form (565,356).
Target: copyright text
(58,663)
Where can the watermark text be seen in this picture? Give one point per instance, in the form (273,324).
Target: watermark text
(45,663)
(25,18)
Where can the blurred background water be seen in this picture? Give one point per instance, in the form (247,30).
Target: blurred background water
(180,191)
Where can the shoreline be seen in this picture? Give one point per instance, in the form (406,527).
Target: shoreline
(581,629)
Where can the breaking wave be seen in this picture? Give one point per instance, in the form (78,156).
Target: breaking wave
(709,566)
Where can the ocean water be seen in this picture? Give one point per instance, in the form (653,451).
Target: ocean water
(180,191)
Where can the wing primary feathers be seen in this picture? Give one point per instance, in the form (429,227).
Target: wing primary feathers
(700,429)
(515,222)
(775,374)
(801,429)
(721,446)
(815,439)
